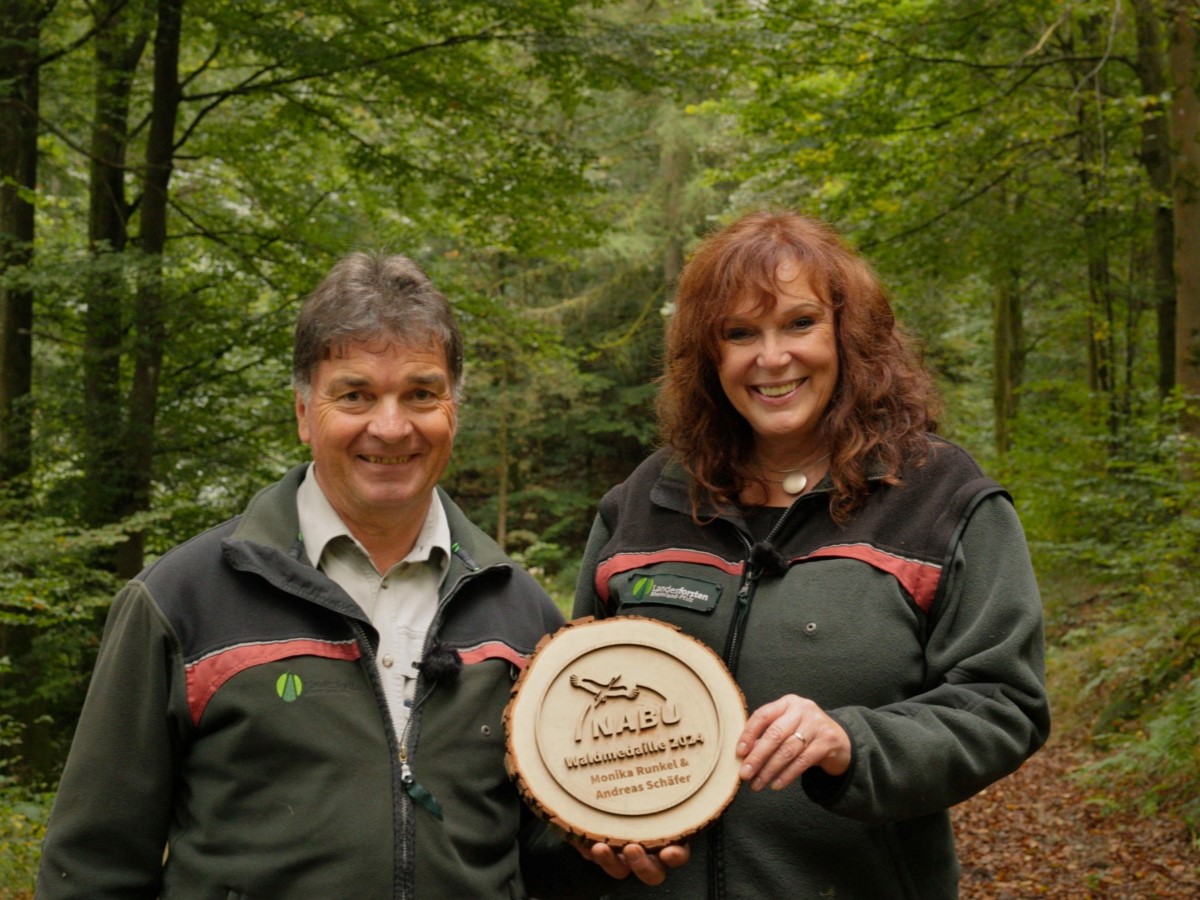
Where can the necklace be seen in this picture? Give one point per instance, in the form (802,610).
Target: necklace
(794,481)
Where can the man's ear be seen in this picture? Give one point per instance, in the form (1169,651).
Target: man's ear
(302,418)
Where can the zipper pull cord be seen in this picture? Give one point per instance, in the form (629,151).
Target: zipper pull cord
(414,790)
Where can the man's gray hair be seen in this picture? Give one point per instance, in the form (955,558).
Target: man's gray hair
(367,296)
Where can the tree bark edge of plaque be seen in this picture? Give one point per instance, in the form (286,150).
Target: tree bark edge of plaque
(534,737)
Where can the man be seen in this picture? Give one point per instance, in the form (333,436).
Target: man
(306,700)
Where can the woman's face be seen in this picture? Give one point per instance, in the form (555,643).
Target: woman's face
(779,367)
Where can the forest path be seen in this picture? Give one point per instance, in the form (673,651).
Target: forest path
(1038,833)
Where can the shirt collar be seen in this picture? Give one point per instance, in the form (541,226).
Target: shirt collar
(320,524)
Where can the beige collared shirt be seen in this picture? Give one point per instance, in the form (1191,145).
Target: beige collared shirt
(400,603)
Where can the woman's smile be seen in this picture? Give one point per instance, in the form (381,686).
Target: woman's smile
(779,364)
(779,390)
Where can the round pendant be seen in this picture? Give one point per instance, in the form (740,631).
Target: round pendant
(795,482)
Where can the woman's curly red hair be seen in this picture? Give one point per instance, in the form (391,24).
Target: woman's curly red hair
(884,401)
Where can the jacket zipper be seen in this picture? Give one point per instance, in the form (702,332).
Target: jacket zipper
(745,594)
(407,779)
(746,591)
(399,876)
(751,575)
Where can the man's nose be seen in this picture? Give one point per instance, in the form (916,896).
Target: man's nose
(390,421)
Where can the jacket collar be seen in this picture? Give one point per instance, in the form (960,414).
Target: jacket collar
(270,518)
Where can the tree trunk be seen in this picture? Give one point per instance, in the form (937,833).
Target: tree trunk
(1008,322)
(119,46)
(149,311)
(1093,163)
(1007,355)
(502,481)
(1155,155)
(21,26)
(674,166)
(1185,145)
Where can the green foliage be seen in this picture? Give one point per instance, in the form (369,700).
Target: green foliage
(970,148)
(551,163)
(1117,505)
(22,826)
(1159,763)
(1117,550)
(1138,673)
(53,595)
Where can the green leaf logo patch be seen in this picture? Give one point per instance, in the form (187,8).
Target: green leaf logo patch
(289,687)
(671,589)
(642,586)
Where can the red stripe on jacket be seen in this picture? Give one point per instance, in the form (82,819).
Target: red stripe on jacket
(918,578)
(205,676)
(493,650)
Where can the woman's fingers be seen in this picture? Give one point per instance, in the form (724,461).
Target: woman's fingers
(786,736)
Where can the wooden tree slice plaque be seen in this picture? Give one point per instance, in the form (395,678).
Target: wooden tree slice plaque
(623,730)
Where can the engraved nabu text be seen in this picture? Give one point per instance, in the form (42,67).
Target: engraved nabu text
(634,719)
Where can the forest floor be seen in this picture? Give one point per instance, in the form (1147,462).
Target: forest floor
(1039,833)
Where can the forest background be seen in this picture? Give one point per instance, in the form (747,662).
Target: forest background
(175,175)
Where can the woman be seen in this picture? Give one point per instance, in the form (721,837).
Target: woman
(872,589)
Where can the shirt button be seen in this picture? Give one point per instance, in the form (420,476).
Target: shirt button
(388,662)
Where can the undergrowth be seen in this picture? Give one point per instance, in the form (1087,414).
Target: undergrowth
(1116,548)
(1125,674)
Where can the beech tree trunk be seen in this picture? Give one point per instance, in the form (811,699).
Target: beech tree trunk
(119,43)
(20,25)
(1007,356)
(20,40)
(1185,145)
(151,301)
(1093,163)
(1155,155)
(674,167)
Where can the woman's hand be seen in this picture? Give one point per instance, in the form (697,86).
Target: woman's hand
(650,868)
(787,736)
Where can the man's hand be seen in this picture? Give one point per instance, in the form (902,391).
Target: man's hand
(650,868)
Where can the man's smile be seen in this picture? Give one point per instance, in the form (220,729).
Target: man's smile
(389,460)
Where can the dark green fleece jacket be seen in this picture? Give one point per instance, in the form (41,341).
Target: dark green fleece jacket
(917,625)
(235,742)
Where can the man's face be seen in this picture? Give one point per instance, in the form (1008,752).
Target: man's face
(380,419)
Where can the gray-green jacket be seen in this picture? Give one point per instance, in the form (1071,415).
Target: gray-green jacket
(917,625)
(235,722)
